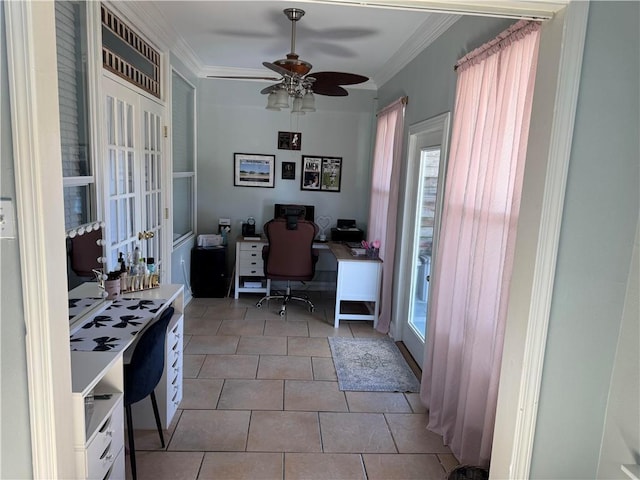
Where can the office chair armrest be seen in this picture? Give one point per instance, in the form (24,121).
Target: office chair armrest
(265,252)
(314,255)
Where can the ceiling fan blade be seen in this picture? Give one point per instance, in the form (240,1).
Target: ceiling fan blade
(270,88)
(278,69)
(243,77)
(338,78)
(330,90)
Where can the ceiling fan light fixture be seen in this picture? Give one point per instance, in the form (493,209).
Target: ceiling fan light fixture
(297,106)
(282,99)
(271,102)
(308,103)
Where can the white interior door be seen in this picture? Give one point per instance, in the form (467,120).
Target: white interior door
(421,219)
(134,162)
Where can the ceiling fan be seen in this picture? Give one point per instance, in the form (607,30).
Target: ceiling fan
(296,81)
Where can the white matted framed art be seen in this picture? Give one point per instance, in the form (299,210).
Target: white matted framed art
(254,170)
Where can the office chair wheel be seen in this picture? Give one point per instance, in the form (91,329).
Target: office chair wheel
(312,309)
(283,312)
(259,305)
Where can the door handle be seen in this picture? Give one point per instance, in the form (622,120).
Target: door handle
(146,235)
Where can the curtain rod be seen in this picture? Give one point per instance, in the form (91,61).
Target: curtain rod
(503,39)
(404,100)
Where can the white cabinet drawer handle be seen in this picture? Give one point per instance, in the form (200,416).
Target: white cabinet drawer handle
(105,425)
(106,455)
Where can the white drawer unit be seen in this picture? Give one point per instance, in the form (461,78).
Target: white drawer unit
(169,389)
(249,277)
(97,383)
(358,290)
(106,445)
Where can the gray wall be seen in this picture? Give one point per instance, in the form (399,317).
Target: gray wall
(232,119)
(621,439)
(597,237)
(15,432)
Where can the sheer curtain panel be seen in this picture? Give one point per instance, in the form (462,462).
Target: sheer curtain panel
(384,198)
(473,268)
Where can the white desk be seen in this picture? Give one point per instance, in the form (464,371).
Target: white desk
(357,287)
(99,437)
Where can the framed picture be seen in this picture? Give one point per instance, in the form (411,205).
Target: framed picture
(254,170)
(322,174)
(289,170)
(331,174)
(289,140)
(311,171)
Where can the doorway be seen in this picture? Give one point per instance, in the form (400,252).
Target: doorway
(424,185)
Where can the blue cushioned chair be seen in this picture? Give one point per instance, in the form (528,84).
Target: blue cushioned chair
(142,374)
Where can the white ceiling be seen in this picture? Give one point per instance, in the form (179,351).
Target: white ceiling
(222,37)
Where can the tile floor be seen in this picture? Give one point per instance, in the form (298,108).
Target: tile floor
(261,401)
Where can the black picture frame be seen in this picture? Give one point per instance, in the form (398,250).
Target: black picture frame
(289,140)
(254,170)
(321,174)
(288,170)
(331,177)
(311,172)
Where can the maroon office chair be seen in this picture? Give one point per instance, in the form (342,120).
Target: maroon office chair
(289,256)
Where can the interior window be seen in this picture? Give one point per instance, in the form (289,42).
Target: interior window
(183,140)
(78,176)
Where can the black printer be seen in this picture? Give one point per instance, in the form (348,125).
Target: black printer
(346,231)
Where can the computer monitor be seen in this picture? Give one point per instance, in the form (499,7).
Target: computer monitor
(281,210)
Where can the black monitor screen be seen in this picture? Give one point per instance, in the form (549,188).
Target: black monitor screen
(283,210)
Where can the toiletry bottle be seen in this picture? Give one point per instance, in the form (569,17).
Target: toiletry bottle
(135,262)
(151,265)
(123,267)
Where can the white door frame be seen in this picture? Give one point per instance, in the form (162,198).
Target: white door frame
(33,75)
(33,87)
(432,127)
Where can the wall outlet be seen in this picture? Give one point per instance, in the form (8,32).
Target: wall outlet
(7,219)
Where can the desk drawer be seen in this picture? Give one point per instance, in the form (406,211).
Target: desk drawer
(105,446)
(251,246)
(251,263)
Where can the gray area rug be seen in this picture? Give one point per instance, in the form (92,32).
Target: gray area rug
(371,365)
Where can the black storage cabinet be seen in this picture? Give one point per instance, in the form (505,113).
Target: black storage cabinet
(209,271)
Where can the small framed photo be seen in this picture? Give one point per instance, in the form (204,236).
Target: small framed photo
(331,174)
(254,170)
(311,172)
(288,170)
(289,140)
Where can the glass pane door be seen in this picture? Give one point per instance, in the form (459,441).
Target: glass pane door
(423,244)
(152,182)
(134,156)
(426,166)
(122,200)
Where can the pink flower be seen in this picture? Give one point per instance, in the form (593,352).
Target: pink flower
(375,244)
(365,244)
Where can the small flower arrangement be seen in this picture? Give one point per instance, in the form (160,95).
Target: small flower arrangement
(372,248)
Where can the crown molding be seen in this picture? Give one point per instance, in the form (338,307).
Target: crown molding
(236,72)
(424,36)
(148,20)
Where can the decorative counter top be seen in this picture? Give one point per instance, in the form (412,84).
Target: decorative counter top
(115,327)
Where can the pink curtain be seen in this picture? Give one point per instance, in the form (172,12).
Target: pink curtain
(473,267)
(384,198)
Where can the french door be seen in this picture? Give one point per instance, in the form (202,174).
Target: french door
(423,203)
(134,182)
